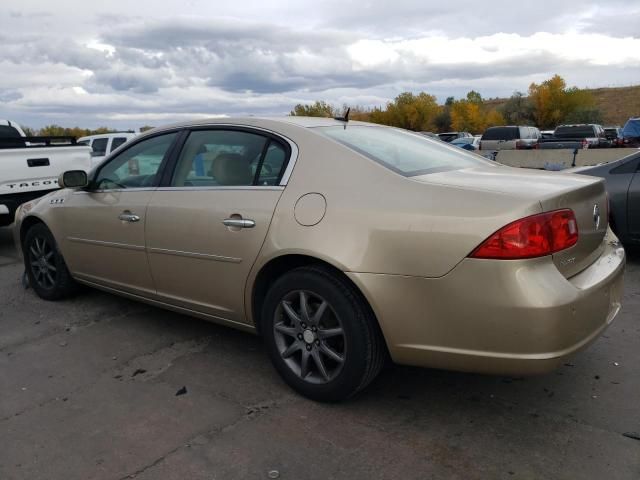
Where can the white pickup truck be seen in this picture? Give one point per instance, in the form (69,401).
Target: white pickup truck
(30,166)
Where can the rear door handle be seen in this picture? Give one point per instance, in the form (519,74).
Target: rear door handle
(239,222)
(127,216)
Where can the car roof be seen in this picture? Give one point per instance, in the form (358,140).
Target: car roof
(260,122)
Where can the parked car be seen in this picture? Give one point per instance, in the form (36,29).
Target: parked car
(430,135)
(30,166)
(615,136)
(358,241)
(623,186)
(510,137)
(103,144)
(631,133)
(449,136)
(468,143)
(546,133)
(576,136)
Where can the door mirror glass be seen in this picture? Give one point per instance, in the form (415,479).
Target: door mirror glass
(73,179)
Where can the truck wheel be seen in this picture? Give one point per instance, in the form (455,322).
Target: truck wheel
(321,335)
(46,269)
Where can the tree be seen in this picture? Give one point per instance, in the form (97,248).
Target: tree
(317,109)
(553,103)
(467,116)
(517,110)
(474,97)
(413,112)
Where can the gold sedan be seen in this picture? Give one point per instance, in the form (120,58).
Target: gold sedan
(341,243)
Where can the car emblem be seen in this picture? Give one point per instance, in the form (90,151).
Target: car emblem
(596,216)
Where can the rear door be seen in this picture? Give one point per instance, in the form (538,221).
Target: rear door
(206,225)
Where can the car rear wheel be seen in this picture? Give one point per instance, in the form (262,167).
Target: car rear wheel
(321,335)
(47,272)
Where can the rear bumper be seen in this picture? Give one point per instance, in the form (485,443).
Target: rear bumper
(498,317)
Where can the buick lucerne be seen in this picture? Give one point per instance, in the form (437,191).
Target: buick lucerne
(342,243)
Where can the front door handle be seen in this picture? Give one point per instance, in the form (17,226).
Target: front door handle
(239,222)
(127,216)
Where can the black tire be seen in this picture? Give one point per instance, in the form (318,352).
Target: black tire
(360,343)
(45,266)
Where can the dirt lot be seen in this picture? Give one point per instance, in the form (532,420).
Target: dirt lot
(88,390)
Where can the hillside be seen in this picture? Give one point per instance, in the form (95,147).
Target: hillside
(616,104)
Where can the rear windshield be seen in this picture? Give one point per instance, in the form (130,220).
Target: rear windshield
(501,133)
(578,131)
(9,132)
(447,137)
(406,153)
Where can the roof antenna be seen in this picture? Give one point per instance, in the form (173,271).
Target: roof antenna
(345,118)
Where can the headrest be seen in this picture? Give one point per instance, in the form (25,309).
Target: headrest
(231,169)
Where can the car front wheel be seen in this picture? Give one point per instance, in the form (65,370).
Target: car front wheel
(321,335)
(45,266)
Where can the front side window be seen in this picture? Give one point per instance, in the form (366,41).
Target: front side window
(137,166)
(406,153)
(212,158)
(99,146)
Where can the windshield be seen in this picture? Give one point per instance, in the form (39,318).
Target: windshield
(577,131)
(404,152)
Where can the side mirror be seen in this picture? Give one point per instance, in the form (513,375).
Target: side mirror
(73,179)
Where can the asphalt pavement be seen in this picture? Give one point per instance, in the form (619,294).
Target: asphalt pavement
(103,387)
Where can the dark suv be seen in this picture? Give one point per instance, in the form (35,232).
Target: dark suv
(511,137)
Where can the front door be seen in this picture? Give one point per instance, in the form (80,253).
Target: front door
(205,230)
(105,242)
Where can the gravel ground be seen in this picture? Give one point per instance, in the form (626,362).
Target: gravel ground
(88,390)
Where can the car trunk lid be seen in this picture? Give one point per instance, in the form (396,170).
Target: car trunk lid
(589,204)
(553,191)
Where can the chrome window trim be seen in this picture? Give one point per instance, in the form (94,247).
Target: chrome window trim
(292,163)
(136,189)
(293,158)
(220,187)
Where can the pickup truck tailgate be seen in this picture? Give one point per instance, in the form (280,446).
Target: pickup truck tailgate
(31,169)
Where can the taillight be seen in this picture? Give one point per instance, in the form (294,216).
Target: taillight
(520,145)
(585,143)
(530,237)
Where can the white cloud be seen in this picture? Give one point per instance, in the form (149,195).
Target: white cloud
(89,65)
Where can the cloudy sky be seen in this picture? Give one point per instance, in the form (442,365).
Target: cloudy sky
(130,63)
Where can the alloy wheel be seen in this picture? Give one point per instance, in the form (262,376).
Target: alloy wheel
(42,262)
(310,337)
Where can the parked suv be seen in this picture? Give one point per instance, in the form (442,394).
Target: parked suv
(510,138)
(583,135)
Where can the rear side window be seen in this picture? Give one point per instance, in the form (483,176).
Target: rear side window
(99,146)
(116,142)
(219,158)
(501,133)
(406,153)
